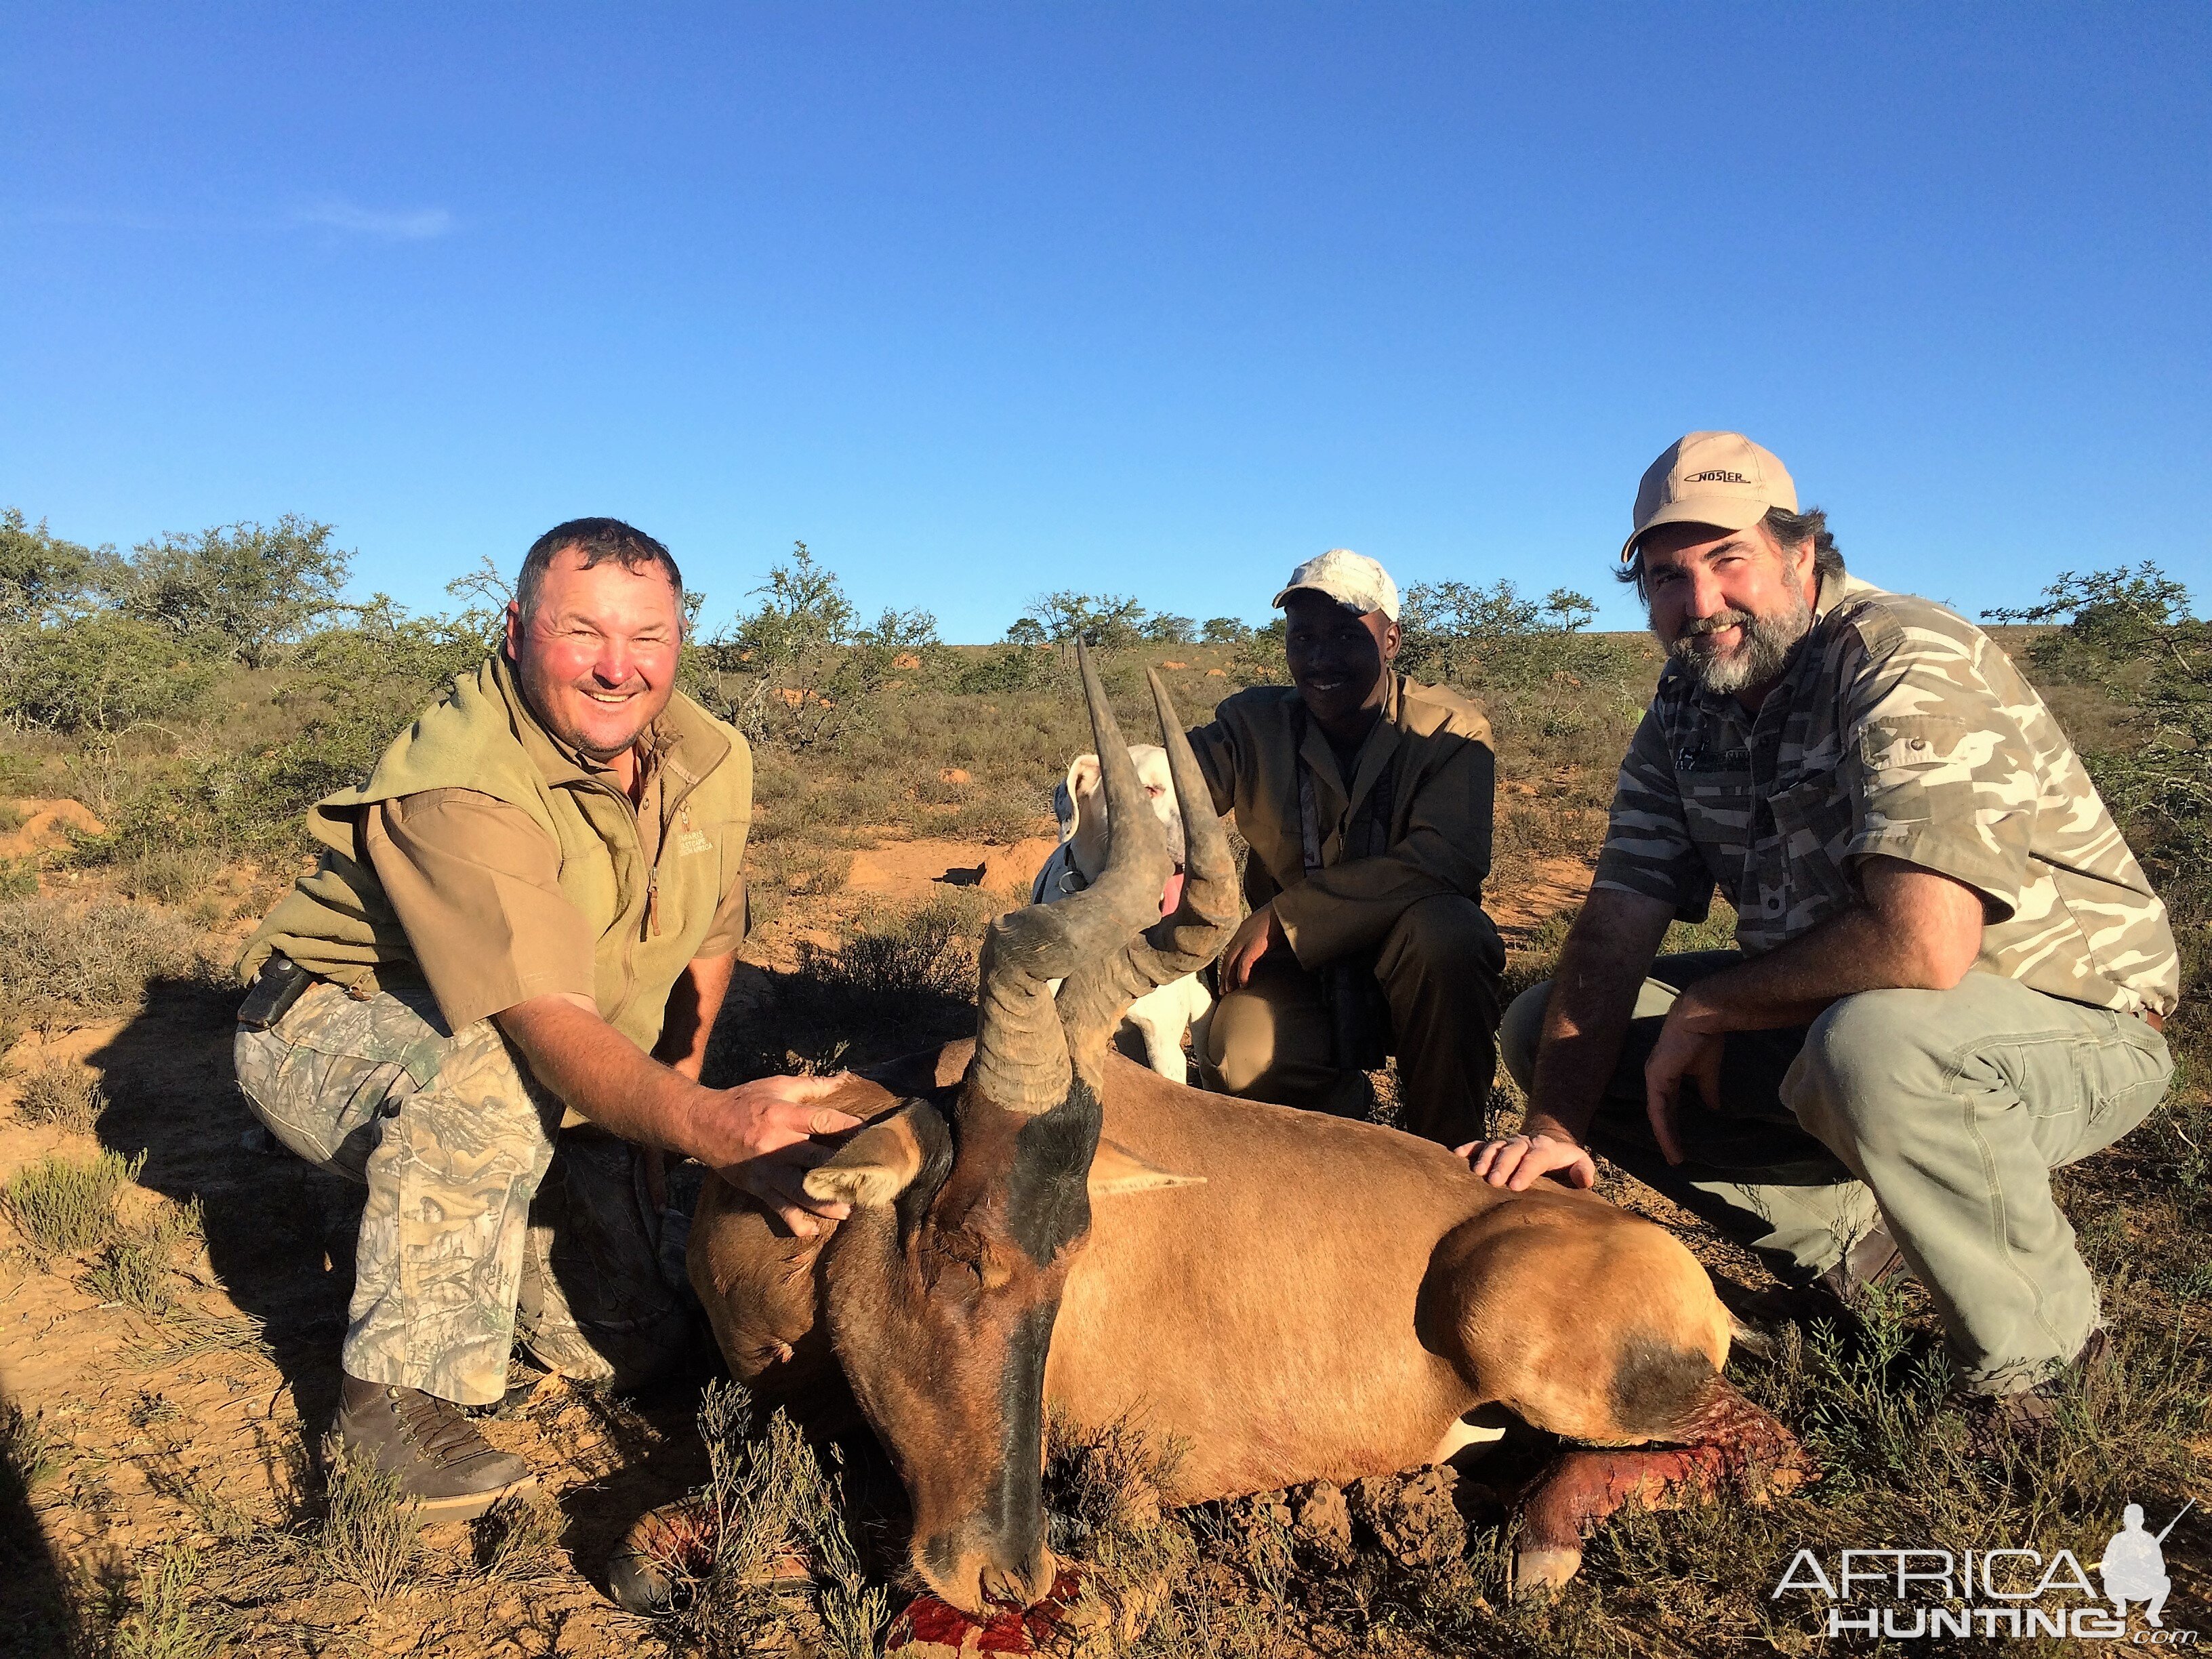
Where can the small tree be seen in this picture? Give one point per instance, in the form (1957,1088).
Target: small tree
(244,589)
(42,577)
(1102,620)
(802,662)
(1164,628)
(1224,631)
(1497,635)
(1026,630)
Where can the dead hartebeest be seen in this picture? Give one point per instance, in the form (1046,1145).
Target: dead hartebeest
(1294,1297)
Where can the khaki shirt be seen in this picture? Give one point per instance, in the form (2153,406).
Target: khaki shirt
(1430,756)
(1902,730)
(477,887)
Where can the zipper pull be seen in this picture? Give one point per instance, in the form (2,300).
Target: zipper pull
(653,903)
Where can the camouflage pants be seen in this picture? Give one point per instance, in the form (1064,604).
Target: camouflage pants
(478,1199)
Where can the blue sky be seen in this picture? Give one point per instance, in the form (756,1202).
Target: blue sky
(984,300)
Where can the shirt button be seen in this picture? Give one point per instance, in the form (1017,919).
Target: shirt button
(1774,904)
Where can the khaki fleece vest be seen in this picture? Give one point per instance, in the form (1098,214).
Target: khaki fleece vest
(337,924)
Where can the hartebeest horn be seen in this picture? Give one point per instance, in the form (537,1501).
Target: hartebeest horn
(1022,1058)
(1099,992)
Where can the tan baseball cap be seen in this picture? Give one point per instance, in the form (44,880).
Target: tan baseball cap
(1352,579)
(1719,478)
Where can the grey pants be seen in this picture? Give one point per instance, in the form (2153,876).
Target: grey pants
(478,1199)
(1940,1112)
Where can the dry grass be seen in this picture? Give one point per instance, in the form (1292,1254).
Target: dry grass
(60,1093)
(519,1539)
(787,1571)
(367,1537)
(62,1207)
(64,963)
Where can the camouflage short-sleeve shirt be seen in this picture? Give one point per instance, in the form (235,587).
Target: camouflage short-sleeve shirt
(1899,729)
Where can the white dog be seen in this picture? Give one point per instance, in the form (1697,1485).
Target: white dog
(1159,1017)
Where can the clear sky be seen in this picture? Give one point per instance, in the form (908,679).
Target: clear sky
(984,300)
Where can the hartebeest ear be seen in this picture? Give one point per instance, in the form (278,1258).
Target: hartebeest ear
(1115,1168)
(879,1163)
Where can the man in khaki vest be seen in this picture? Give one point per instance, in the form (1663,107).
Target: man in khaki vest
(1366,799)
(490,1002)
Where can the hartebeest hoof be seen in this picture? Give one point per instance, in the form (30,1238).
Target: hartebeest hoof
(1738,1447)
(664,1548)
(1542,1568)
(669,1550)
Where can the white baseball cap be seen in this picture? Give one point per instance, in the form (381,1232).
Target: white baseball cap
(1352,579)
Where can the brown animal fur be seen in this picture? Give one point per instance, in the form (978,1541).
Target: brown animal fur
(1328,1304)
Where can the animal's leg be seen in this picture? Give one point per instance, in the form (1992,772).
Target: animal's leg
(1731,1443)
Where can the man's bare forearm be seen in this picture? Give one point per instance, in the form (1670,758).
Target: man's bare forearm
(1916,931)
(614,1083)
(1601,968)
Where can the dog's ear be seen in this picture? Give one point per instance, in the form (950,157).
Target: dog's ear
(1084,778)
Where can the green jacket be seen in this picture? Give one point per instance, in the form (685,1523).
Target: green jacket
(648,922)
(1428,760)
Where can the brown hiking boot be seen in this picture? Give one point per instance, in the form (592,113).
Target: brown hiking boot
(1834,1297)
(1995,1422)
(446,1468)
(1873,1260)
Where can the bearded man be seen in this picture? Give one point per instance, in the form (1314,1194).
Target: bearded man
(1951,973)
(490,1003)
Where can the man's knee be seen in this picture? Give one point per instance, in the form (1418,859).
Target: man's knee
(1269,1048)
(1241,1042)
(1446,935)
(1519,1033)
(1863,1065)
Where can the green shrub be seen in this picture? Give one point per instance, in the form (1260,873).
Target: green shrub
(61,1207)
(99,673)
(29,1456)
(133,1272)
(19,879)
(166,1623)
(927,953)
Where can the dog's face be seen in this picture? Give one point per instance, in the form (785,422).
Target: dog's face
(1080,803)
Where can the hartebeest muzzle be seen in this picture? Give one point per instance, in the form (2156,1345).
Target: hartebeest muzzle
(948,1284)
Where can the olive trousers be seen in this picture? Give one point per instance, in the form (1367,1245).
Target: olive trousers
(1274,1037)
(1939,1113)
